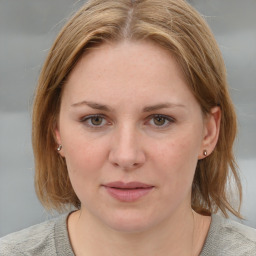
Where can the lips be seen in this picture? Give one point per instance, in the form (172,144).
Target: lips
(127,192)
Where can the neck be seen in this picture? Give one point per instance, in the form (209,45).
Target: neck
(182,234)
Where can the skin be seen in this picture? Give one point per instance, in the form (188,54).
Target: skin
(131,142)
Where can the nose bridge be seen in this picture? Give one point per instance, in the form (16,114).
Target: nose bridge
(126,151)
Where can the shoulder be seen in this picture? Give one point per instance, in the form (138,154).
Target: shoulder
(35,240)
(228,237)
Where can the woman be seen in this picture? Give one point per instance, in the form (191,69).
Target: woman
(133,126)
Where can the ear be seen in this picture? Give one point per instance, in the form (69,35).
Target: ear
(58,139)
(211,132)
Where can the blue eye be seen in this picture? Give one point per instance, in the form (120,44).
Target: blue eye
(161,121)
(94,121)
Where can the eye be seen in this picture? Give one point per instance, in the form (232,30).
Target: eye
(161,121)
(94,121)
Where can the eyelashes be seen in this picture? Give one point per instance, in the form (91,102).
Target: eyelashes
(100,121)
(94,121)
(161,121)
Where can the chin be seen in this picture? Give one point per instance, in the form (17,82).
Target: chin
(130,222)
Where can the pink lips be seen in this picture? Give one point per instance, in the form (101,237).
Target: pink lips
(128,192)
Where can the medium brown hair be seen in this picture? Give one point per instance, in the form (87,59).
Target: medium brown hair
(171,24)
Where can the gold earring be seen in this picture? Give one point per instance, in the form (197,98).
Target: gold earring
(59,147)
(205,152)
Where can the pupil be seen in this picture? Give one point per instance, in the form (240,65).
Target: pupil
(97,120)
(159,120)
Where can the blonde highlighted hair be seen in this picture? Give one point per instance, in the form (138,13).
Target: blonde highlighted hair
(171,24)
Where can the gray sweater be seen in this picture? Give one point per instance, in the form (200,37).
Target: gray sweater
(225,238)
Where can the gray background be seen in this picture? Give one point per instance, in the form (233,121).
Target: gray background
(27,30)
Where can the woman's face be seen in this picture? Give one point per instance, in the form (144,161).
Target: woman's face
(132,133)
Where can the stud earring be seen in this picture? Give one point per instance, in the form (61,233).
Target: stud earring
(59,147)
(205,152)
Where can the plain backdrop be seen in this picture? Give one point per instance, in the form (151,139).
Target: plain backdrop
(27,30)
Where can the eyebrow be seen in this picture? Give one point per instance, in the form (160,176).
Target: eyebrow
(106,108)
(161,106)
(93,105)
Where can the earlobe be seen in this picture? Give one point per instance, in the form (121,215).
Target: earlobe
(211,132)
(59,147)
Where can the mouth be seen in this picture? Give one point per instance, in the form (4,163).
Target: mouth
(127,192)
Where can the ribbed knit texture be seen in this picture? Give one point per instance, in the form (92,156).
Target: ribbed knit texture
(229,238)
(49,238)
(225,238)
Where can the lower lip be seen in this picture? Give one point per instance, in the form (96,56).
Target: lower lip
(128,195)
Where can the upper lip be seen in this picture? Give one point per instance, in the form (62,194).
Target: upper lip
(129,185)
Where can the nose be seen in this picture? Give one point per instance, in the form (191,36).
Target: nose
(126,150)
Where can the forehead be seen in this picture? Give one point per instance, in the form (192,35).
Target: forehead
(131,56)
(127,70)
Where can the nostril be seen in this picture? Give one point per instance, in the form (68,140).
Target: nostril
(126,157)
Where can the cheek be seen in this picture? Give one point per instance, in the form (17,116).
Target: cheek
(84,164)
(177,159)
(175,165)
(182,149)
(83,155)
